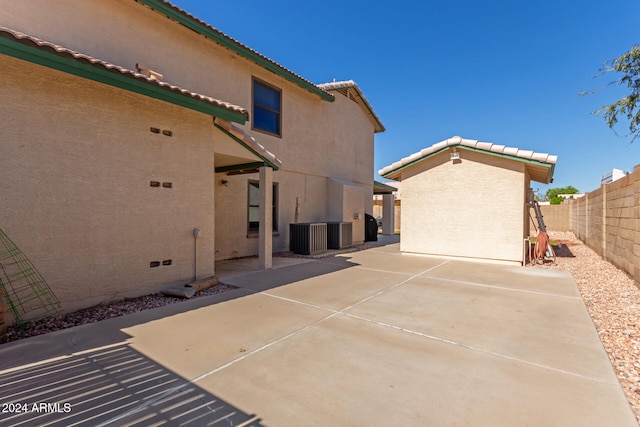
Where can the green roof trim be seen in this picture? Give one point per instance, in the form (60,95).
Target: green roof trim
(223,40)
(240,167)
(382,188)
(96,72)
(463,147)
(266,161)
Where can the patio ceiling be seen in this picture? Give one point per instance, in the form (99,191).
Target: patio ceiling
(382,188)
(239,151)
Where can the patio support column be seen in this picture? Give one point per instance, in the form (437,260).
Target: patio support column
(388,214)
(265,250)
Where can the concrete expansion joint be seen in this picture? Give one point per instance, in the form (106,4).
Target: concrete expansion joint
(345,311)
(263,347)
(472,348)
(482,285)
(332,314)
(380,270)
(299,302)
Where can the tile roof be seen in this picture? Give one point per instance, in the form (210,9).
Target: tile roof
(250,143)
(487,147)
(234,44)
(80,57)
(350,84)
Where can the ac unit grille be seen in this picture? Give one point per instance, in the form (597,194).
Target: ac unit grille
(339,235)
(308,238)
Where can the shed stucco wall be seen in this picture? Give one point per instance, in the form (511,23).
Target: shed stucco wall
(472,208)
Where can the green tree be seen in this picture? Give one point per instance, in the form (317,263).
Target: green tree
(553,193)
(628,107)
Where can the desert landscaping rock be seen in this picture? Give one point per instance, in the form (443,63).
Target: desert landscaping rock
(103,312)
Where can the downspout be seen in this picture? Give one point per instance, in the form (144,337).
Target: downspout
(196,235)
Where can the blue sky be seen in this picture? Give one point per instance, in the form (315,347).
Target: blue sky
(505,71)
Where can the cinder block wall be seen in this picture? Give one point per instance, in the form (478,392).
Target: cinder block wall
(556,218)
(608,221)
(622,244)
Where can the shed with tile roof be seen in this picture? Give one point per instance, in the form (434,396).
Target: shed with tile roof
(466,198)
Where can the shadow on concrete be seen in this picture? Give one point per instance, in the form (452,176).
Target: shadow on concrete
(259,281)
(89,376)
(110,386)
(84,337)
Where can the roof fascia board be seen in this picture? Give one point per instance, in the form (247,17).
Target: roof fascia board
(112,78)
(266,162)
(463,147)
(239,167)
(382,188)
(160,6)
(408,165)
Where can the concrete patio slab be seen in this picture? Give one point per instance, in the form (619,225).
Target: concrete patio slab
(546,330)
(347,372)
(518,278)
(216,335)
(386,259)
(374,338)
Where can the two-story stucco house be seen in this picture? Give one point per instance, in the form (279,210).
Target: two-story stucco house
(139,145)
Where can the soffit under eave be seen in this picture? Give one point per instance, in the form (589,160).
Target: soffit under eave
(382,188)
(350,90)
(238,149)
(358,97)
(541,173)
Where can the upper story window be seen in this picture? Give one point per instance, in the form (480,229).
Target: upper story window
(267,108)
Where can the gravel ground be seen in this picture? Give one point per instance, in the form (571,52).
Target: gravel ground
(103,312)
(610,295)
(613,301)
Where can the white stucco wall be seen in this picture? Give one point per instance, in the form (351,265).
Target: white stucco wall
(473,208)
(77,158)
